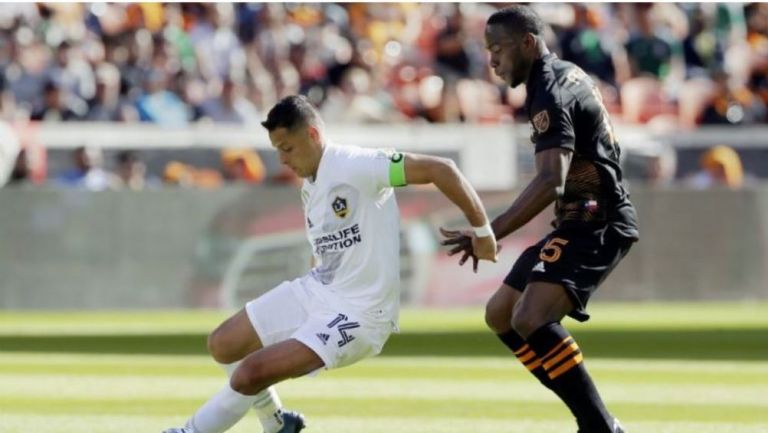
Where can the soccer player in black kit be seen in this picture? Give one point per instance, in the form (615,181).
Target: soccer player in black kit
(577,164)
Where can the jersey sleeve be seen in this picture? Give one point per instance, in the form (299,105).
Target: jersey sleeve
(375,169)
(552,126)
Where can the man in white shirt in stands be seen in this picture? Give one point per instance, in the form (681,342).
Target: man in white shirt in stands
(345,308)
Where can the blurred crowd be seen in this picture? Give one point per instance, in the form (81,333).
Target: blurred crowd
(662,64)
(182,62)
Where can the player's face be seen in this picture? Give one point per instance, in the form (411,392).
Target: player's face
(508,58)
(299,149)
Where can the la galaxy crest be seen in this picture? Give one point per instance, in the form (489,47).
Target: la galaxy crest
(541,121)
(340,207)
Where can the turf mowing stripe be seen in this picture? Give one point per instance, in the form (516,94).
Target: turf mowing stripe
(468,408)
(346,423)
(525,389)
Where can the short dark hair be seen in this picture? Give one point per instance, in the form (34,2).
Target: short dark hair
(518,19)
(291,112)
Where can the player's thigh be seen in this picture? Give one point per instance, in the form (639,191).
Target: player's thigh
(542,303)
(233,339)
(498,310)
(340,337)
(500,307)
(280,361)
(277,314)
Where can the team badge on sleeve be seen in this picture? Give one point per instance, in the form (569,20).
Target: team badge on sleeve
(541,121)
(340,207)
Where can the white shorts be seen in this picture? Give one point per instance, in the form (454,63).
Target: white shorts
(338,334)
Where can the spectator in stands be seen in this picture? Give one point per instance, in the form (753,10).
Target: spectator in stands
(228,105)
(703,51)
(178,173)
(161,106)
(720,167)
(733,103)
(87,172)
(582,44)
(651,51)
(757,39)
(131,170)
(107,104)
(242,165)
(418,55)
(59,105)
(72,73)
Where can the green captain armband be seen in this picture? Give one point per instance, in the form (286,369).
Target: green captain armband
(397,170)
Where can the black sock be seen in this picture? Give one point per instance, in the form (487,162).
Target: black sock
(522,350)
(561,359)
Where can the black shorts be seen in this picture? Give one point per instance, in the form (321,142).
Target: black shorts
(577,258)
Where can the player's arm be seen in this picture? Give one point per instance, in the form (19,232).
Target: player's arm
(443,173)
(551,171)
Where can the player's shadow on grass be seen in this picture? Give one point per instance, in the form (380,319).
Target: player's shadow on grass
(705,344)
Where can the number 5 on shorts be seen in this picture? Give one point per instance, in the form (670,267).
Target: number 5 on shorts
(550,253)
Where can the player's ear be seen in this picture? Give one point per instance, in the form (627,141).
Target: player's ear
(529,41)
(313,133)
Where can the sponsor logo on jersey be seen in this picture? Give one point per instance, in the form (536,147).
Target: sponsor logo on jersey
(339,240)
(323,337)
(541,121)
(539,267)
(340,207)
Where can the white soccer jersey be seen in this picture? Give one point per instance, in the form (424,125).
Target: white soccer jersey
(353,226)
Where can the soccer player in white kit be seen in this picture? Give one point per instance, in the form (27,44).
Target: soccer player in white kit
(345,308)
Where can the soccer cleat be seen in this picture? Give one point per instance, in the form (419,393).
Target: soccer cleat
(293,422)
(178,430)
(617,428)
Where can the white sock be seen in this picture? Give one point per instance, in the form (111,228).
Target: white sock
(230,368)
(267,404)
(269,408)
(221,412)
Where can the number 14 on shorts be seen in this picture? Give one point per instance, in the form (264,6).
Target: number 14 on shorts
(342,325)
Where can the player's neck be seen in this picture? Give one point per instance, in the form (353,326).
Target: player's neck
(323,146)
(541,52)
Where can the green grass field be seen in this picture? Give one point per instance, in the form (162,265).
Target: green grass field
(662,368)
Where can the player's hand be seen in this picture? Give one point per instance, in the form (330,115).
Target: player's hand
(485,247)
(463,242)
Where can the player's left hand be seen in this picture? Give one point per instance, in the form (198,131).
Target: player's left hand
(462,241)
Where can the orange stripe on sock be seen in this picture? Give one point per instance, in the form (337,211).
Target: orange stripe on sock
(533,365)
(556,348)
(565,352)
(567,366)
(527,356)
(521,350)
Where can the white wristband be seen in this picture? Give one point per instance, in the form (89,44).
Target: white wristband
(484,231)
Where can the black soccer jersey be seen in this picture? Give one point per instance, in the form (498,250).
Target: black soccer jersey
(566,110)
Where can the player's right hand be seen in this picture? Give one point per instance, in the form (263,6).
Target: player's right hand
(485,247)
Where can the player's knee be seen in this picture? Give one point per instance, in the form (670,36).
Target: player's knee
(497,317)
(525,321)
(249,379)
(220,349)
